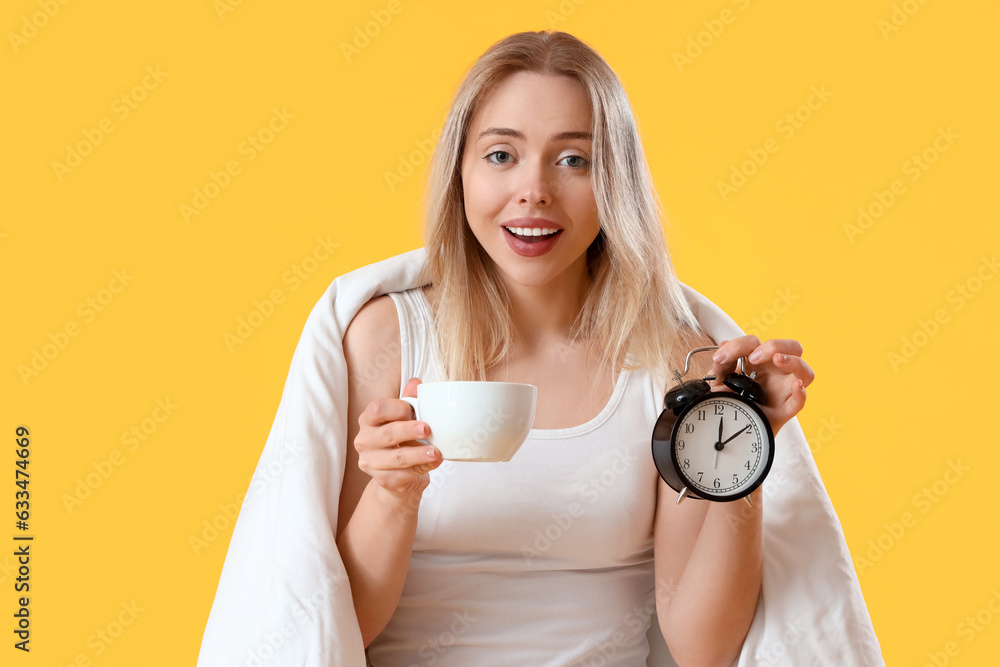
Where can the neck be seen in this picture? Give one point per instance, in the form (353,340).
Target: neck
(544,314)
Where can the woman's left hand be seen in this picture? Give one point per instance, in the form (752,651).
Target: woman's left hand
(781,372)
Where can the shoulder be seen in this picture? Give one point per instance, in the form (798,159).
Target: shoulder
(378,311)
(372,343)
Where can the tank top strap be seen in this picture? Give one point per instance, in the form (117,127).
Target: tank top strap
(416,337)
(407,312)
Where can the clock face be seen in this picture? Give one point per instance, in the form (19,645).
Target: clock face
(722,446)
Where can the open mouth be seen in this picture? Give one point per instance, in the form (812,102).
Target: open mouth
(532,235)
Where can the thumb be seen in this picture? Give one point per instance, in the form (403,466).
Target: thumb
(411,387)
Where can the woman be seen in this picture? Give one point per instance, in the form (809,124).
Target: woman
(546,265)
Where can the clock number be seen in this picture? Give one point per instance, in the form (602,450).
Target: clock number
(736,480)
(719,409)
(716,483)
(736,414)
(680,445)
(688,427)
(754,448)
(699,476)
(687,464)
(701,415)
(747,466)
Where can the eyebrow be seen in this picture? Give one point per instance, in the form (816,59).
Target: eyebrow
(558,136)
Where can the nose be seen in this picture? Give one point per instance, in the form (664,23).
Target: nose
(535,185)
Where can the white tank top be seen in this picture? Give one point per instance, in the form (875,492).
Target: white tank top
(543,560)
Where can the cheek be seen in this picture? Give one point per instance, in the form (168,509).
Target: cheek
(483,196)
(581,198)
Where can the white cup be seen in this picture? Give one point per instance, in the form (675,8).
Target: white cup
(475,420)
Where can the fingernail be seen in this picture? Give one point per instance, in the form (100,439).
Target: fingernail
(430,452)
(755,356)
(719,357)
(419,429)
(783,358)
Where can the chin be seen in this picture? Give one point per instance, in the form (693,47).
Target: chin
(533,276)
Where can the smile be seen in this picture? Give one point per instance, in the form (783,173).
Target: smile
(533,242)
(525,232)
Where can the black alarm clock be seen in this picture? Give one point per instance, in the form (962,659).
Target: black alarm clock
(714,445)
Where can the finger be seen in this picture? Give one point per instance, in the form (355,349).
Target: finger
(724,359)
(400,434)
(795,366)
(411,387)
(403,457)
(385,410)
(766,350)
(796,399)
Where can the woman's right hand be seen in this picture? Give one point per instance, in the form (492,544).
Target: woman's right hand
(387,447)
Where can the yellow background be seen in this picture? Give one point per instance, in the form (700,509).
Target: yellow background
(891,430)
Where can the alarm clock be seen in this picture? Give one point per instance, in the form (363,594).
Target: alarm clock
(713,445)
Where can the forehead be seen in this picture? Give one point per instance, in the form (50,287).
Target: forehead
(537,105)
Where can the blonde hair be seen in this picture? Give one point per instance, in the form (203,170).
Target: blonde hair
(634,314)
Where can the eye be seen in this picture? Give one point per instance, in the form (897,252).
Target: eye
(583,163)
(499,154)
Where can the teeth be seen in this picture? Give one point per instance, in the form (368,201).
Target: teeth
(527,231)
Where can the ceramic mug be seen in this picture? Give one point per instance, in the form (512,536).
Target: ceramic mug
(474,420)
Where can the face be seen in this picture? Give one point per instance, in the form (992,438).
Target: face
(516,167)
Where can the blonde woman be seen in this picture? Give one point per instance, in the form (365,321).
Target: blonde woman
(546,265)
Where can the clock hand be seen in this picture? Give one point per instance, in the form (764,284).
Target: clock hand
(718,443)
(740,432)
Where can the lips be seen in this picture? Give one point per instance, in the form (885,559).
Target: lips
(533,246)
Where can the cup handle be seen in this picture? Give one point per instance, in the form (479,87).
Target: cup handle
(413,403)
(416,411)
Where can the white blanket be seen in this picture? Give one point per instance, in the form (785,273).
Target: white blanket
(284,597)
